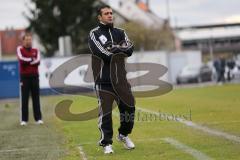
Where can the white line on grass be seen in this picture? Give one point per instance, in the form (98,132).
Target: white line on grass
(199,127)
(14,150)
(195,153)
(82,153)
(137,140)
(211,131)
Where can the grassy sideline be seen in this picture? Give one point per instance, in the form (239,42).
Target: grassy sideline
(216,107)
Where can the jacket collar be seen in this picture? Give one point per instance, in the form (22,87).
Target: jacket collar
(105,26)
(28,49)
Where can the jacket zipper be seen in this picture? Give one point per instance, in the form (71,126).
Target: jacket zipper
(101,70)
(115,63)
(111,36)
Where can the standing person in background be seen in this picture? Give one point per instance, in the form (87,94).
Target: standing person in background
(29,60)
(230,66)
(222,70)
(217,66)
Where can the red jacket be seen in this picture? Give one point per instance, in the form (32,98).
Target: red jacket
(29,60)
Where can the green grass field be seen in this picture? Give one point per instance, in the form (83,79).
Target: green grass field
(215,108)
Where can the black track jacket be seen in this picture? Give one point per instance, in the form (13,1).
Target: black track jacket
(102,42)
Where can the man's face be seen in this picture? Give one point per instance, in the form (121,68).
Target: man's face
(27,42)
(107,16)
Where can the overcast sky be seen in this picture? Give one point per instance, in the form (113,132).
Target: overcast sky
(182,12)
(195,12)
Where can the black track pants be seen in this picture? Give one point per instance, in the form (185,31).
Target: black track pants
(106,96)
(30,85)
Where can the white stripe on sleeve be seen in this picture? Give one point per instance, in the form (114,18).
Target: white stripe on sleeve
(21,57)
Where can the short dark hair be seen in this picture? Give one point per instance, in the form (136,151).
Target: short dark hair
(99,10)
(27,34)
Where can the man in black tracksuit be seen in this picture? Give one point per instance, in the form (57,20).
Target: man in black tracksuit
(109,47)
